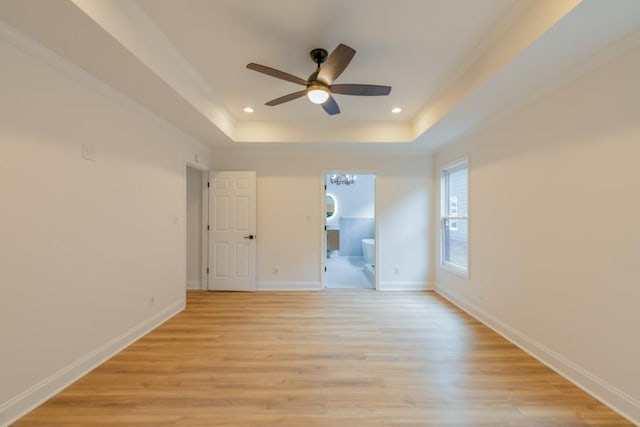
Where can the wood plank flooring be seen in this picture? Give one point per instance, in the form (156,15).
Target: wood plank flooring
(333,358)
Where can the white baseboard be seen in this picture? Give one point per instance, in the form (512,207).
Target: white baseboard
(288,286)
(193,284)
(26,401)
(403,286)
(617,400)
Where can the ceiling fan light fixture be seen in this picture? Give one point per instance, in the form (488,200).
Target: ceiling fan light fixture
(317,94)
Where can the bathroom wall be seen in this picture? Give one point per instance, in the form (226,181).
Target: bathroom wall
(354,201)
(355,216)
(352,231)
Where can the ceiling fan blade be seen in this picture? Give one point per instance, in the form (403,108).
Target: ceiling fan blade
(331,106)
(276,73)
(286,98)
(362,90)
(336,63)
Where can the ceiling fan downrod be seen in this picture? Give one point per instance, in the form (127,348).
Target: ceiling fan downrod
(318,56)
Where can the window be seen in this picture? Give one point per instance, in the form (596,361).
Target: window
(455,220)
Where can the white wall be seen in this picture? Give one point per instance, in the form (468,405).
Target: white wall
(554,236)
(290,207)
(355,200)
(84,245)
(194,228)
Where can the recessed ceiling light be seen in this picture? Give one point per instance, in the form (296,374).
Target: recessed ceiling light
(396,110)
(248,109)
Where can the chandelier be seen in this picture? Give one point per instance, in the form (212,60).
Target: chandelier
(342,179)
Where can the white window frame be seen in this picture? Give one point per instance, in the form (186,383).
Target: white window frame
(444,215)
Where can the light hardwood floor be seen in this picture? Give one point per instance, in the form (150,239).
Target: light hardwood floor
(333,358)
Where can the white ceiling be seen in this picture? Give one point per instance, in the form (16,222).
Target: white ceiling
(411,45)
(453,64)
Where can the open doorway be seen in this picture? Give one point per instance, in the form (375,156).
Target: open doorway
(195,217)
(350,224)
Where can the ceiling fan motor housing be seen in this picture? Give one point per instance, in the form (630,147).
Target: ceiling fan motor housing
(319,56)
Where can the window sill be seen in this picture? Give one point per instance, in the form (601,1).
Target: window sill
(461,272)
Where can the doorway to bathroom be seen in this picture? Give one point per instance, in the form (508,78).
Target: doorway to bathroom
(349,248)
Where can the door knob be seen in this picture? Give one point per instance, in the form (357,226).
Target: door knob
(250,237)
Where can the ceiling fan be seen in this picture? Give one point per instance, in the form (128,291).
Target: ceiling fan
(319,86)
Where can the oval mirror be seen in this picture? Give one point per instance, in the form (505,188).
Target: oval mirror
(331,206)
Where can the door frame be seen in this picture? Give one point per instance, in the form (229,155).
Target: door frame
(323,216)
(204,234)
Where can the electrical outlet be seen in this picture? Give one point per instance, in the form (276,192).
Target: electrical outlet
(396,271)
(276,269)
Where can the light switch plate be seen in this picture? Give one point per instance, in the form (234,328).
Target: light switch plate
(88,152)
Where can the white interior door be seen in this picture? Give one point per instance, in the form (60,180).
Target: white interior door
(232,231)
